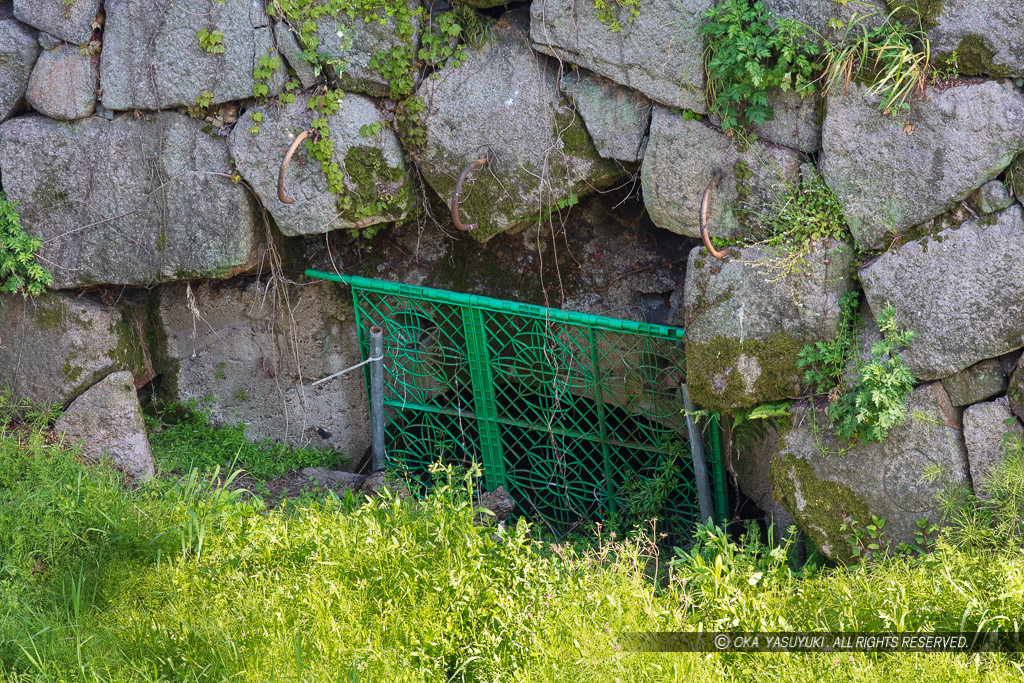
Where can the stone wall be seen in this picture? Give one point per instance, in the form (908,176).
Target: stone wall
(143,141)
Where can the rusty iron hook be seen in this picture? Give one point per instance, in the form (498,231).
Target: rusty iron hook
(284,167)
(485,159)
(704,216)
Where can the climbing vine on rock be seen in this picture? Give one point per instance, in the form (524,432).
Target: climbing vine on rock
(211,41)
(268,65)
(442,44)
(396,64)
(609,12)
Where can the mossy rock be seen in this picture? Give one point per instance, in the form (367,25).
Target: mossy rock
(826,484)
(986,36)
(376,185)
(1015,391)
(506,99)
(826,509)
(974,57)
(748,317)
(56,346)
(122,227)
(725,373)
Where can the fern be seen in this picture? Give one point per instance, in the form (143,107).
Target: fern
(826,361)
(20,271)
(878,400)
(749,51)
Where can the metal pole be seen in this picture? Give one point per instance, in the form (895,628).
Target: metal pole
(377,397)
(700,468)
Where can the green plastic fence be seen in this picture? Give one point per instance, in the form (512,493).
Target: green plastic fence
(560,408)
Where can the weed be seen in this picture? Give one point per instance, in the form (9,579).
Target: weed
(201,105)
(793,221)
(806,215)
(18,410)
(750,425)
(186,580)
(867,542)
(558,206)
(642,499)
(20,270)
(877,398)
(477,29)
(409,122)
(993,518)
(892,58)
(950,68)
(750,51)
(183,439)
(827,362)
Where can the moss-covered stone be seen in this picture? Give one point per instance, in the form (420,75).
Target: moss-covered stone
(820,507)
(48,316)
(912,11)
(507,101)
(131,352)
(1015,177)
(155,338)
(71,372)
(1015,391)
(974,57)
(727,373)
(574,136)
(375,188)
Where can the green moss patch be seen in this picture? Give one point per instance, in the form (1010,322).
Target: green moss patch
(48,317)
(1015,176)
(974,58)
(71,372)
(131,353)
(927,10)
(156,343)
(374,187)
(716,371)
(826,504)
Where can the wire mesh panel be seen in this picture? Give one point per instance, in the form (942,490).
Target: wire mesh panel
(562,409)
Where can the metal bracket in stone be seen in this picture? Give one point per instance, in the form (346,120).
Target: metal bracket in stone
(485,159)
(704,216)
(284,167)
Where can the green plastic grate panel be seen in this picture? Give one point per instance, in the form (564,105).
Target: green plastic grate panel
(558,407)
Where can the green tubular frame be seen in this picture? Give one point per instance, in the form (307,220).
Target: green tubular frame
(561,408)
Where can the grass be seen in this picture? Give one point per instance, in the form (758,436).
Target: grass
(183,439)
(184,580)
(895,60)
